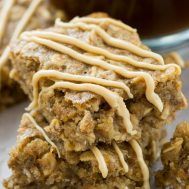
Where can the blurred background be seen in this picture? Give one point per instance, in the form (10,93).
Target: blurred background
(162,24)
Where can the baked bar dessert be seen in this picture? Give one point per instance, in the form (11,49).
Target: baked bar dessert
(104,89)
(107,55)
(175,159)
(16,16)
(37,162)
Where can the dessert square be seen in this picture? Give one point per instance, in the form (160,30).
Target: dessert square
(16,17)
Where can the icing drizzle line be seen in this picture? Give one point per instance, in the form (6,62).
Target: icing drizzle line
(103,20)
(101,162)
(4,16)
(41,130)
(121,157)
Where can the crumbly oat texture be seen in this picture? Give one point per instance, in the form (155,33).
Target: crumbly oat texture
(175,159)
(103,94)
(12,13)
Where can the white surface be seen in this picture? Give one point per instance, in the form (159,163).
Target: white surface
(9,122)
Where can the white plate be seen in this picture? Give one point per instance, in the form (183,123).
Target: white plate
(9,122)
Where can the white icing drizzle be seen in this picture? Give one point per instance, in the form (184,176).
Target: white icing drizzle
(118,43)
(101,162)
(150,86)
(113,99)
(43,133)
(19,28)
(57,75)
(4,16)
(121,157)
(103,20)
(96,50)
(136,147)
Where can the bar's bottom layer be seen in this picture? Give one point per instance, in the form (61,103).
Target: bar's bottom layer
(35,163)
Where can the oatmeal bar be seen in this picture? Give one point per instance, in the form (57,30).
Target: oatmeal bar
(16,16)
(175,159)
(36,164)
(104,55)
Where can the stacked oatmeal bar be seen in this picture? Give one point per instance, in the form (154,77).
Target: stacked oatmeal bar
(100,101)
